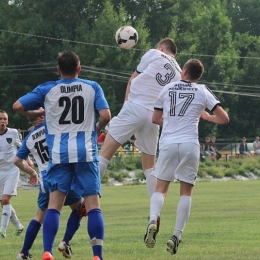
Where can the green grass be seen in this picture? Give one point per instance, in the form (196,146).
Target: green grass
(224,224)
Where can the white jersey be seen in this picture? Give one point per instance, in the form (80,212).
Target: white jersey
(156,69)
(9,141)
(182,103)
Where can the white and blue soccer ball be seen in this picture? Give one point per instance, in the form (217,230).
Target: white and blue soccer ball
(126,37)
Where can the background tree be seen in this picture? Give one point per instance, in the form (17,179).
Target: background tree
(223,34)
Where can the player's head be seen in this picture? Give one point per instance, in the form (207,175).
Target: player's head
(68,63)
(192,70)
(168,46)
(3,120)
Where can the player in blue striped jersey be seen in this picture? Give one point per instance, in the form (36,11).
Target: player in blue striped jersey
(35,143)
(70,105)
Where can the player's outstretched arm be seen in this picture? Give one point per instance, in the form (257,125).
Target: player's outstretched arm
(23,165)
(134,75)
(220,116)
(18,107)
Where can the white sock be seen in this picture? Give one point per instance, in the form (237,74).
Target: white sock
(6,213)
(182,215)
(151,182)
(13,218)
(156,205)
(103,163)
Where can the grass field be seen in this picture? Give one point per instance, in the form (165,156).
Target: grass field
(224,224)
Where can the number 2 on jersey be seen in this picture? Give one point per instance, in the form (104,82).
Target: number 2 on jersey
(188,99)
(76,104)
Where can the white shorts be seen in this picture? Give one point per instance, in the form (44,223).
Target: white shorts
(135,120)
(178,161)
(9,181)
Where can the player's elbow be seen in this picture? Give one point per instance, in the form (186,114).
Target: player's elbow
(17,106)
(225,120)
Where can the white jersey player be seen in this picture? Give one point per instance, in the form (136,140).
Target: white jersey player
(157,68)
(9,174)
(179,108)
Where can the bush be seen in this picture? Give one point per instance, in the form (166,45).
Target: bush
(216,169)
(215,172)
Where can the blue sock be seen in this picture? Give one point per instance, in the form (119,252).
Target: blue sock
(50,228)
(30,235)
(72,226)
(96,229)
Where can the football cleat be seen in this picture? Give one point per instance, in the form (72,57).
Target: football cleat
(158,223)
(65,249)
(150,235)
(82,210)
(21,256)
(96,258)
(18,231)
(47,256)
(172,245)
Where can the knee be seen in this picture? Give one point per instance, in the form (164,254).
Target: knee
(5,201)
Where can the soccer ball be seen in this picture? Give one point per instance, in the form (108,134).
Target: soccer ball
(126,37)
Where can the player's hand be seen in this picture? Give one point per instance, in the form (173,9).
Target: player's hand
(33,179)
(41,111)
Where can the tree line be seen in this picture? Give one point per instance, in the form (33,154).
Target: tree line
(223,34)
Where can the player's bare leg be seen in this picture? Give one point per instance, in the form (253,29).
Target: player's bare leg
(106,153)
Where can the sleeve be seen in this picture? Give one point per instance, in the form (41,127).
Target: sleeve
(160,100)
(100,100)
(23,151)
(35,99)
(146,59)
(18,142)
(212,100)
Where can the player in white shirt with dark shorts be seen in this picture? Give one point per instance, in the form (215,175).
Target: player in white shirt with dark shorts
(157,68)
(178,109)
(9,174)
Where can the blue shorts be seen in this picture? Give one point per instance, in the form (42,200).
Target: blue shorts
(83,178)
(43,197)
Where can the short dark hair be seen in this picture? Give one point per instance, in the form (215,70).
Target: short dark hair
(195,68)
(169,45)
(2,111)
(68,62)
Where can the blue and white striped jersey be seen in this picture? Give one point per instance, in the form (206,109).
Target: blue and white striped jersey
(70,117)
(35,143)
